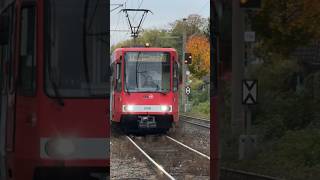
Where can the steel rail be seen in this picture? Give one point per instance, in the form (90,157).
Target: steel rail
(197,119)
(151,160)
(227,173)
(189,148)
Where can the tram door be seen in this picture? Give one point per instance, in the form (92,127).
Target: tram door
(116,87)
(25,103)
(111,104)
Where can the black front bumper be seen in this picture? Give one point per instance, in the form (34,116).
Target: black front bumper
(131,122)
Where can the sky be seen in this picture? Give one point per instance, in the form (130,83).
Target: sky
(164,12)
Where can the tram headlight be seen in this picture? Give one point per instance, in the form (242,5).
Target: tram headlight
(127,108)
(60,148)
(165,108)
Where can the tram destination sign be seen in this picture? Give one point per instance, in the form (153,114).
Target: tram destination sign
(147,57)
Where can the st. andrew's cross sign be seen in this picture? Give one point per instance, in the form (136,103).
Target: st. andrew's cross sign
(249,92)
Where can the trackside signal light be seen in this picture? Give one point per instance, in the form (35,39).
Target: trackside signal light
(250,4)
(188,58)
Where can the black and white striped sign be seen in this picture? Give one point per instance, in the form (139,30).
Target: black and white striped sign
(249,92)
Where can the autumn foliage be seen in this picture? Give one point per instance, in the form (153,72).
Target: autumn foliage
(285,25)
(199,47)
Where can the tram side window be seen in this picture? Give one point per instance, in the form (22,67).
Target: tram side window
(175,77)
(27,74)
(118,77)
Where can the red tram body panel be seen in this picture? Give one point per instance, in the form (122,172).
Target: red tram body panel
(145,87)
(54,121)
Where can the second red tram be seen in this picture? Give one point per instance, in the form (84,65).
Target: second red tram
(54,89)
(145,88)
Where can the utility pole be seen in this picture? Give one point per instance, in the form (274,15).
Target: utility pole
(237,115)
(184,41)
(241,55)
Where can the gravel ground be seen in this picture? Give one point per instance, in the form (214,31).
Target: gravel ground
(176,160)
(193,136)
(127,162)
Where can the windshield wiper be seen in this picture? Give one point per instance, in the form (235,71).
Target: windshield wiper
(160,90)
(57,93)
(84,45)
(137,68)
(126,88)
(54,85)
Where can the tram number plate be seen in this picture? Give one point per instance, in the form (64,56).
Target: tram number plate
(147,122)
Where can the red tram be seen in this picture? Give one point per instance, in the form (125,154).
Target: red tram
(144,88)
(54,120)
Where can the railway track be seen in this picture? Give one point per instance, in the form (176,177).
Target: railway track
(178,159)
(232,174)
(225,173)
(200,122)
(173,159)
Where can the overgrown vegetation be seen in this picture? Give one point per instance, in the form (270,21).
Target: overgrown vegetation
(199,99)
(287,118)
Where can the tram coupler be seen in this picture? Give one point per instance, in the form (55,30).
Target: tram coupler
(147,122)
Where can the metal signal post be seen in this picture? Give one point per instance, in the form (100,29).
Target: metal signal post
(184,42)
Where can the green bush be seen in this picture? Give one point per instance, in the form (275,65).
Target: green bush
(281,107)
(286,118)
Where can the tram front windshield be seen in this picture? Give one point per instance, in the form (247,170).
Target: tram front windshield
(76,46)
(147,72)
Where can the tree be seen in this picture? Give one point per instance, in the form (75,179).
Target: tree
(194,24)
(199,47)
(156,38)
(284,25)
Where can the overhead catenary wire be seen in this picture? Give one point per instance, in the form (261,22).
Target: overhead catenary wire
(135,29)
(116,27)
(203,6)
(139,6)
(118,6)
(118,30)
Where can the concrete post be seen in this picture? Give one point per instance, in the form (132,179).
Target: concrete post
(237,115)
